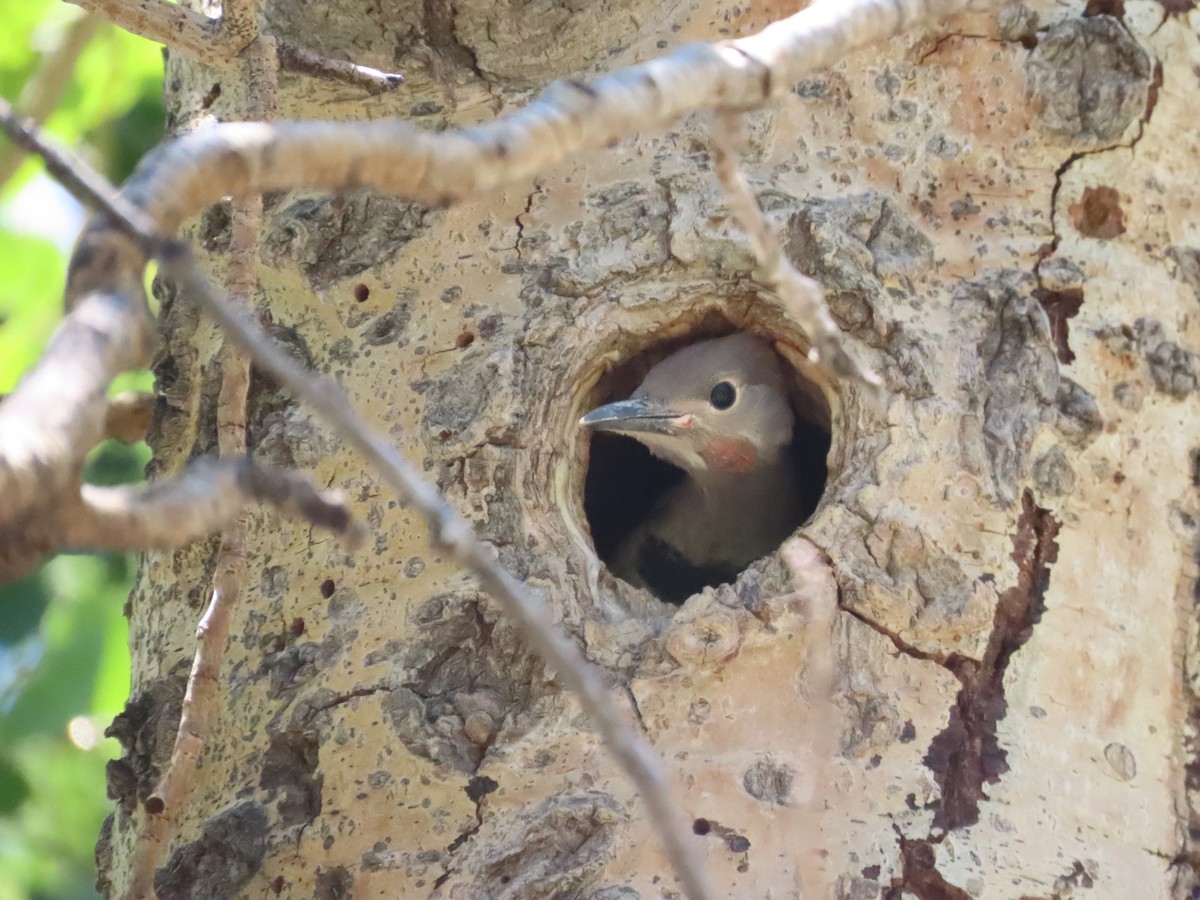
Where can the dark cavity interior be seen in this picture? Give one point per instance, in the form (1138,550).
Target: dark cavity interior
(625,482)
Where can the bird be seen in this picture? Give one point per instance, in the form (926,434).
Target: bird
(719,410)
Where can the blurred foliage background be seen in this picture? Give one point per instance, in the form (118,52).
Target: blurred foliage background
(64,663)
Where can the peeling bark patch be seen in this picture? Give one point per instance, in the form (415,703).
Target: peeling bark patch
(919,876)
(268,407)
(1187,267)
(1088,80)
(146,731)
(469,674)
(227,855)
(215,230)
(967,754)
(332,238)
(291,667)
(1175,370)
(1017,374)
(769,781)
(334,884)
(1079,419)
(1078,877)
(865,251)
(1098,213)
(1052,473)
(389,328)
(455,401)
(291,439)
(1061,306)
(104,857)
(289,773)
(557,848)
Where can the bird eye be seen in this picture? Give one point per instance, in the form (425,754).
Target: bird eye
(722,396)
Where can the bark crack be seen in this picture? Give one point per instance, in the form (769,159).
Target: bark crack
(967,753)
(520,218)
(1050,249)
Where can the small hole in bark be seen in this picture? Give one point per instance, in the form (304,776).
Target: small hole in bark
(464,340)
(361,293)
(701,826)
(327,588)
(726,483)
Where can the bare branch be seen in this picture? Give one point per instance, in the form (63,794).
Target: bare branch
(128,416)
(206,497)
(45,88)
(93,191)
(447,527)
(260,71)
(57,412)
(439,168)
(169,24)
(161,807)
(306,62)
(801,296)
(229,576)
(239,159)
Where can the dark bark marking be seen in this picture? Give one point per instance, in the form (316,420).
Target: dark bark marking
(289,773)
(967,753)
(1061,306)
(919,876)
(227,855)
(1098,213)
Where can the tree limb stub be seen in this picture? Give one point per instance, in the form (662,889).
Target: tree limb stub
(218,42)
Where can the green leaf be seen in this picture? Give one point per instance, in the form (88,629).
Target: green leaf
(31,280)
(14,789)
(86,600)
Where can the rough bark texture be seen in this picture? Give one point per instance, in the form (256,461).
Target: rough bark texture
(1005,213)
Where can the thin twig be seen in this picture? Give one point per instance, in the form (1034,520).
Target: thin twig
(48,83)
(237,159)
(801,295)
(83,183)
(162,806)
(244,159)
(169,24)
(204,498)
(108,332)
(260,76)
(306,62)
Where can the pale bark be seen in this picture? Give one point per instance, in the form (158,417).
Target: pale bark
(1012,541)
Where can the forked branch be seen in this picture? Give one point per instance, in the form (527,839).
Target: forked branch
(246,159)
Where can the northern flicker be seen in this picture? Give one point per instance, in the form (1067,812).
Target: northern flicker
(719,410)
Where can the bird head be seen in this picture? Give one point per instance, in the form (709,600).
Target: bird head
(713,407)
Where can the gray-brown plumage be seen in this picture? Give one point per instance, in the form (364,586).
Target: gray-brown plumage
(719,410)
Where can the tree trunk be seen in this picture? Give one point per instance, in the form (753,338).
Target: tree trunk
(1002,212)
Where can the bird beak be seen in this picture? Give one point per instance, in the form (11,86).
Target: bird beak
(633,416)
